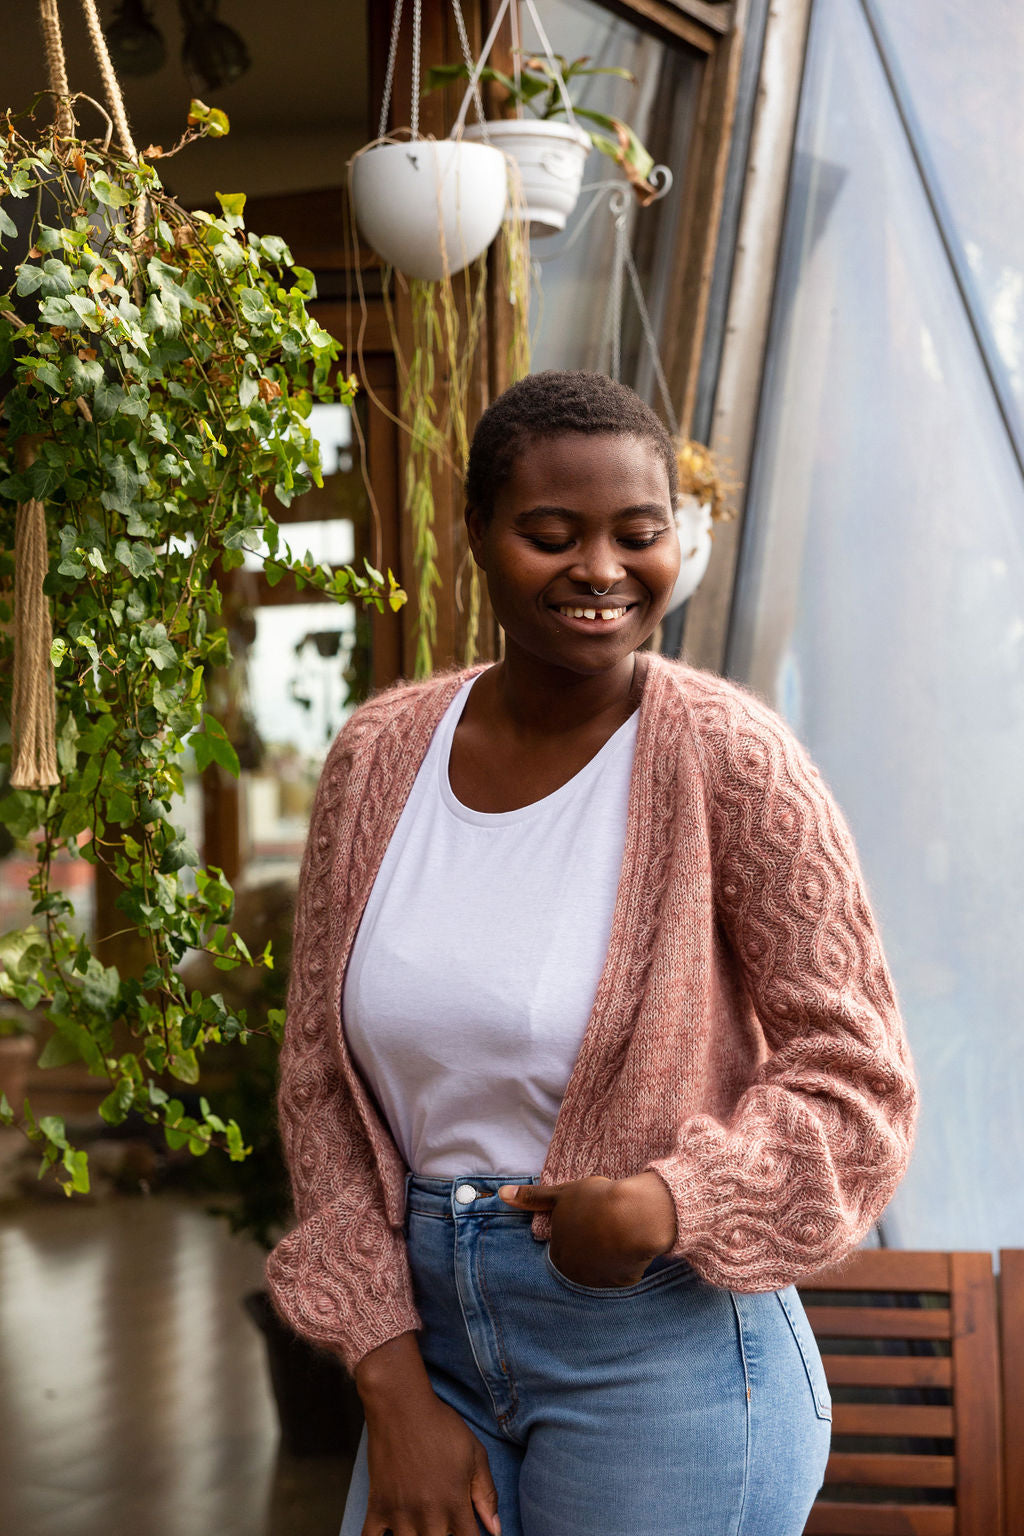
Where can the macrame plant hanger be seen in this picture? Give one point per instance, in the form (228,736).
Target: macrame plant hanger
(623,266)
(33,703)
(506,8)
(618,201)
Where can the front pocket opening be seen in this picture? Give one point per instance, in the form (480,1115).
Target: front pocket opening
(647,1282)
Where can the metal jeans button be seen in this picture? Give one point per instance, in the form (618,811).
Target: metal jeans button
(465,1194)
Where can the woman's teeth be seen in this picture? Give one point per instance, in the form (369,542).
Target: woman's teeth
(605,614)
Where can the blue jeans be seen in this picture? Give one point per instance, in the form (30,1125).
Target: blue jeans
(666,1408)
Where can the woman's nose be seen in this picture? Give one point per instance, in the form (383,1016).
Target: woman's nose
(602,569)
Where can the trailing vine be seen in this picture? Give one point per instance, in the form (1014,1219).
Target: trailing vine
(447,324)
(158,367)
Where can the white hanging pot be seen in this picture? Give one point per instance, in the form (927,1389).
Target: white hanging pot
(693,525)
(549,158)
(430,206)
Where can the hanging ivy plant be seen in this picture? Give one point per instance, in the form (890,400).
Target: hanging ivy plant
(158,369)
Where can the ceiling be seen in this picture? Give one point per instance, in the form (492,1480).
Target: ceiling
(296,115)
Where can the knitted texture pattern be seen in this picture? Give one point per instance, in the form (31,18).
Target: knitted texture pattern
(745,1041)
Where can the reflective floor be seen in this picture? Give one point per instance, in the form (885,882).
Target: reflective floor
(134,1398)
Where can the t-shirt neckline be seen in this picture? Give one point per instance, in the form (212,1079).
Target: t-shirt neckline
(625,732)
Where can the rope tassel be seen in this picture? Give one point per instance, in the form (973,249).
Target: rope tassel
(33,706)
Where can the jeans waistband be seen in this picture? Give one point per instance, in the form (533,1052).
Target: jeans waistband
(471,1194)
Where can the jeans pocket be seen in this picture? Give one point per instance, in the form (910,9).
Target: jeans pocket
(792,1306)
(658,1272)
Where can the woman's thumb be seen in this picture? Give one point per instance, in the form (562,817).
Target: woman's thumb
(530,1197)
(484,1494)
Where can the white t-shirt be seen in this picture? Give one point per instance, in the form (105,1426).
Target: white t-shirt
(476,964)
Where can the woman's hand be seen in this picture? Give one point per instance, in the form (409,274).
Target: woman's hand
(604,1232)
(428,1471)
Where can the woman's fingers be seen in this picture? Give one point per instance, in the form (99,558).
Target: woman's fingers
(451,1524)
(484,1494)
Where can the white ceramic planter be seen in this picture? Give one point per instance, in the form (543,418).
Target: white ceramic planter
(549,157)
(693,524)
(430,206)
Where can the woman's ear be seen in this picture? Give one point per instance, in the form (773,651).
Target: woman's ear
(475,529)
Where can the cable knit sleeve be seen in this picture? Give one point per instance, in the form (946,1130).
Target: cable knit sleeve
(340,1278)
(817,1143)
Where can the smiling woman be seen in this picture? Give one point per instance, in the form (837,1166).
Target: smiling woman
(592,1051)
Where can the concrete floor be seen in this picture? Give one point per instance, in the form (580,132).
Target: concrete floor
(134,1398)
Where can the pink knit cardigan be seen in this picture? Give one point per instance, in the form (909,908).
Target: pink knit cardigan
(745,1041)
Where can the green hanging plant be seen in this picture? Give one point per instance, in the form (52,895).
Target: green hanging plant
(538,91)
(447,323)
(158,368)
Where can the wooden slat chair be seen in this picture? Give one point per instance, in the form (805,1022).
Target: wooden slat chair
(1011,1329)
(909,1343)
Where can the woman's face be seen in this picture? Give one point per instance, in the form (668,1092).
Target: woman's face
(580,511)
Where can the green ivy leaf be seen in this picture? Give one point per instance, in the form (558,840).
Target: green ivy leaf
(52,1127)
(46,373)
(59,1050)
(56,279)
(77,1164)
(138,558)
(185,1067)
(29,278)
(107,399)
(233,204)
(180,854)
(212,746)
(115,1108)
(160,651)
(108,193)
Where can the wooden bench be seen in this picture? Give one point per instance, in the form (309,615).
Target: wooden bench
(910,1343)
(1011,1329)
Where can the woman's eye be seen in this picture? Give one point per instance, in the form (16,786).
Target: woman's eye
(643,542)
(636,541)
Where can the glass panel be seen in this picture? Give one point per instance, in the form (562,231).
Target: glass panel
(306,663)
(298,686)
(961,68)
(880,606)
(569,312)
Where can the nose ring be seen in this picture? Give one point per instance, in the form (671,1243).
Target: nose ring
(601,591)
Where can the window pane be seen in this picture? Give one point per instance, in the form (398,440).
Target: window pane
(960,71)
(881,607)
(569,313)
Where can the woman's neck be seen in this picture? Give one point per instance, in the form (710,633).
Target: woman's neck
(533,698)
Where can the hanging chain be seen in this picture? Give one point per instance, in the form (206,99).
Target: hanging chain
(611,331)
(389,78)
(652,342)
(474,75)
(460,22)
(417,29)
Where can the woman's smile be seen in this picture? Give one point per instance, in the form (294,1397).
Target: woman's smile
(588,617)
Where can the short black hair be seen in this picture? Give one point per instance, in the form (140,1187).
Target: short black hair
(547,405)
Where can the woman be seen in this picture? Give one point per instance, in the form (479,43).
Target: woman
(592,1051)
